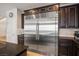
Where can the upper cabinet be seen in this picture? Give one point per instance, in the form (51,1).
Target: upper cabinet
(72,21)
(68,17)
(63,17)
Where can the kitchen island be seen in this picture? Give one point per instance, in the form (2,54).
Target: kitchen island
(11,49)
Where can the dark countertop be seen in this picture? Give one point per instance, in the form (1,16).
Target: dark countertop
(10,49)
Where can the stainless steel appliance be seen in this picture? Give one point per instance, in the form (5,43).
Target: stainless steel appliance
(41,32)
(76,36)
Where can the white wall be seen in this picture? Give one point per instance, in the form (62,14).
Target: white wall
(12,26)
(3,27)
(19,29)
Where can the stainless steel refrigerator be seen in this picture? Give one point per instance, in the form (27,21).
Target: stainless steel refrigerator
(41,32)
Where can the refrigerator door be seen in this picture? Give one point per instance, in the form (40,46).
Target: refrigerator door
(41,33)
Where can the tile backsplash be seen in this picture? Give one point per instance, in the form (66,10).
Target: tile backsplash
(67,32)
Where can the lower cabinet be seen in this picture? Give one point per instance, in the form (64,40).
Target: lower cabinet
(65,47)
(68,47)
(77,52)
(21,39)
(76,49)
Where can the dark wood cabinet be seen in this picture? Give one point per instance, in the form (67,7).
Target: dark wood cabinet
(68,47)
(22,21)
(75,48)
(77,51)
(72,17)
(63,17)
(68,17)
(65,47)
(21,39)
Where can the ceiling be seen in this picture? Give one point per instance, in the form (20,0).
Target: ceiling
(22,6)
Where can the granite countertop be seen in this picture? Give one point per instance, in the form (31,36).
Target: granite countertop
(10,49)
(67,38)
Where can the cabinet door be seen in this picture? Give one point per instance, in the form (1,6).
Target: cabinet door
(76,49)
(65,47)
(72,17)
(21,39)
(63,17)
